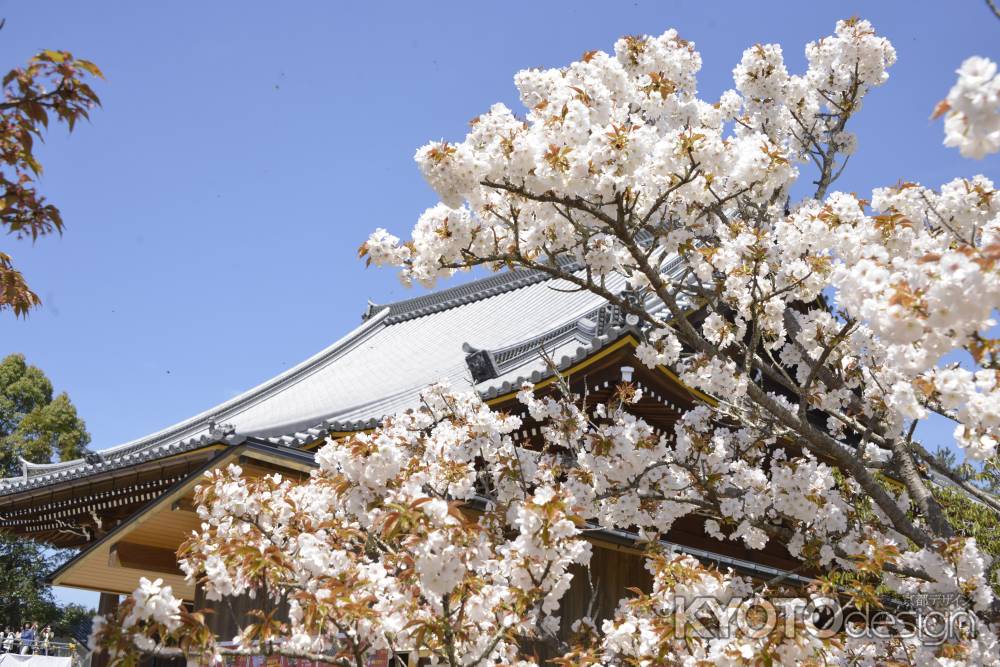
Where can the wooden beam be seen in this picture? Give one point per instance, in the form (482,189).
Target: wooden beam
(259,466)
(184,505)
(143,557)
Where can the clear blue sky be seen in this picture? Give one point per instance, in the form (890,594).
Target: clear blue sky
(245,149)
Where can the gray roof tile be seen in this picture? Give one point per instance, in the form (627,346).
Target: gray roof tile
(380,367)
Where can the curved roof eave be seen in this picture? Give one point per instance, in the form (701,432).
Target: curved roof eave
(380,367)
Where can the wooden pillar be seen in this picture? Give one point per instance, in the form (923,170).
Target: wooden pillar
(107,605)
(232,614)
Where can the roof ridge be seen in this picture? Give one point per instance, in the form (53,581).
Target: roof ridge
(436,301)
(451,297)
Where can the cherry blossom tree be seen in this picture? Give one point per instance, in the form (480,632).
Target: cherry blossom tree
(818,327)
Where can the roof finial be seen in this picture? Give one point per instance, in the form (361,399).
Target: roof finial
(481,363)
(370,310)
(220,431)
(92,457)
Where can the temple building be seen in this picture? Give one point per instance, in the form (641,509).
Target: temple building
(127,508)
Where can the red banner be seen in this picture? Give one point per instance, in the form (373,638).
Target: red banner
(376,659)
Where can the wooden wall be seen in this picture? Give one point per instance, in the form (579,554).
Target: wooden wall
(612,573)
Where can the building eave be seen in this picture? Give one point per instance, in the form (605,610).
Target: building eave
(253,448)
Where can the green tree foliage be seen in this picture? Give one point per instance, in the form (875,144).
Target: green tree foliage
(34,424)
(985,476)
(24,596)
(74,623)
(52,86)
(974,519)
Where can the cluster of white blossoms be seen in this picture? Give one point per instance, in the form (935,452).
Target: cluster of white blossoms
(817,334)
(649,629)
(616,144)
(972,109)
(154,602)
(151,610)
(384,539)
(438,515)
(959,569)
(918,273)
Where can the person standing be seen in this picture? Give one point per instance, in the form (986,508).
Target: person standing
(27,639)
(46,639)
(7,640)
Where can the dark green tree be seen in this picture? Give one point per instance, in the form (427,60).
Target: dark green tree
(24,595)
(37,425)
(74,623)
(34,424)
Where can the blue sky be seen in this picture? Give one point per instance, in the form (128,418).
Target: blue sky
(215,203)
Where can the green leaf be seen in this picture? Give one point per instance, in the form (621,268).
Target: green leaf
(55,56)
(90,67)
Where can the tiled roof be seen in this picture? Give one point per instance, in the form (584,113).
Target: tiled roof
(380,367)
